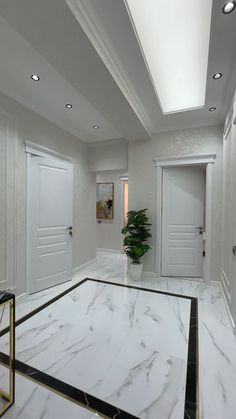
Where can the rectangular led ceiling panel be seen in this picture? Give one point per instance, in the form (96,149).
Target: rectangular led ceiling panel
(174,37)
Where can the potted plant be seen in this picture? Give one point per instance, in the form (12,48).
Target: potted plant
(136,233)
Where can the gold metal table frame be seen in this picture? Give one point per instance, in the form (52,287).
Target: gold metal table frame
(7,397)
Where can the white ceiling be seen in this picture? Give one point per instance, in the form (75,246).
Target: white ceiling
(87,54)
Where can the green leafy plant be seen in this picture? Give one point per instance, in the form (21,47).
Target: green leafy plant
(136,233)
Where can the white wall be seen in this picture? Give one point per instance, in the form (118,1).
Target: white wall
(108,232)
(108,157)
(143,178)
(32,127)
(110,162)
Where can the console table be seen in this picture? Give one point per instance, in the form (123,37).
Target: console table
(7,362)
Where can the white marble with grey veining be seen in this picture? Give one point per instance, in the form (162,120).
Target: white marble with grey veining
(217,340)
(36,402)
(127,347)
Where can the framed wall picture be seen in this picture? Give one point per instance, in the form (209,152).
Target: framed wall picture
(105,201)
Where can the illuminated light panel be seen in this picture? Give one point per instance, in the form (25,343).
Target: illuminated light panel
(174,37)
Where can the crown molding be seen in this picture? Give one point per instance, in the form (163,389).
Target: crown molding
(41,151)
(185,160)
(103,143)
(86,16)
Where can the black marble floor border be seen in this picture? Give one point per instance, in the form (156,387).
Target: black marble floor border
(46,304)
(67,391)
(100,406)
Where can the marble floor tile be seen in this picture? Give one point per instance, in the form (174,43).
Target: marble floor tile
(36,402)
(114,343)
(217,340)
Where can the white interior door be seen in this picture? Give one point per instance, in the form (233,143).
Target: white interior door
(228,218)
(232,251)
(50,202)
(182,216)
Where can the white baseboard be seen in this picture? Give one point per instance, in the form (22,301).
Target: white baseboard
(102,250)
(150,274)
(21,297)
(83,265)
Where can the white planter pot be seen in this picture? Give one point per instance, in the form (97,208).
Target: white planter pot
(135,271)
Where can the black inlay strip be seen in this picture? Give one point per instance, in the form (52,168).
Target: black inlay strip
(98,405)
(68,391)
(187,297)
(40,308)
(191,394)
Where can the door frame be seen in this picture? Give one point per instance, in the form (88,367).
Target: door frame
(123,178)
(206,160)
(40,151)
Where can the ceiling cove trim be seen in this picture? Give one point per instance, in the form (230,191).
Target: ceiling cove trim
(84,14)
(172,112)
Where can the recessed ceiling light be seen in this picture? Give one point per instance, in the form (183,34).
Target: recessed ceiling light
(228,7)
(95,127)
(35,77)
(68,106)
(217,76)
(212,109)
(178,69)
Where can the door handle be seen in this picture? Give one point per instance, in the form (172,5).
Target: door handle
(70,230)
(234,250)
(200,229)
